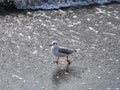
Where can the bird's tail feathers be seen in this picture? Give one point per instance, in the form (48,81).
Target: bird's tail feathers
(76,50)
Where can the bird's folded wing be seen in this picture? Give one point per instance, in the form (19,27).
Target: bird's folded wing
(65,51)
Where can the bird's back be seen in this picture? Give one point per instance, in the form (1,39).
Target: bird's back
(66,51)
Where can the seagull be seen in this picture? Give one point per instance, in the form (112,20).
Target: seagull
(61,52)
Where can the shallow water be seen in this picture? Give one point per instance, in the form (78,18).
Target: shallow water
(26,62)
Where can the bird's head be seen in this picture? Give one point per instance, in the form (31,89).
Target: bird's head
(54,43)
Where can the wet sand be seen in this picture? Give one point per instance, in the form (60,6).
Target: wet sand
(26,62)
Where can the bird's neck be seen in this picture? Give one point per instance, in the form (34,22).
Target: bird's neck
(55,46)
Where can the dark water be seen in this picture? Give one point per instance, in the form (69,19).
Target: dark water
(53,4)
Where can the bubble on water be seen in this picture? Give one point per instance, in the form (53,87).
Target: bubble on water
(100,21)
(52,25)
(96,25)
(29,13)
(74,16)
(90,55)
(108,14)
(70,25)
(34,85)
(89,70)
(99,77)
(76,23)
(117,78)
(21,34)
(110,59)
(117,17)
(29,27)
(67,19)
(29,37)
(24,81)
(109,72)
(104,50)
(106,38)
(41,46)
(34,52)
(116,60)
(66,73)
(99,66)
(108,88)
(53,29)
(88,19)
(93,47)
(90,89)
(57,77)
(83,83)
(43,24)
(117,88)
(90,28)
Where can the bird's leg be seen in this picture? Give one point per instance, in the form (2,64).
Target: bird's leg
(56,61)
(69,61)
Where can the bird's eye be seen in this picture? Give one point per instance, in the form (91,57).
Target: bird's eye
(54,43)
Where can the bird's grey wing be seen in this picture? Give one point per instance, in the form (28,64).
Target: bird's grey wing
(65,51)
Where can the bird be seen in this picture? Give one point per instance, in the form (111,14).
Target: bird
(61,52)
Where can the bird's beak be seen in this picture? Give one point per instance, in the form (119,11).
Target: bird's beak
(50,45)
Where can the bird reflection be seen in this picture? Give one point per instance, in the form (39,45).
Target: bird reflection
(61,75)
